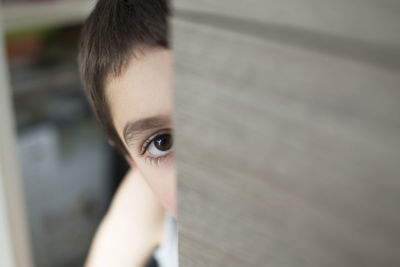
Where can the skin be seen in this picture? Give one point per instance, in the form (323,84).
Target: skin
(134,224)
(132,228)
(144,91)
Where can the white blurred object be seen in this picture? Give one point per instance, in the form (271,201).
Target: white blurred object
(167,253)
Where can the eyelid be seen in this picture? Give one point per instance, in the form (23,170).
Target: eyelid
(150,139)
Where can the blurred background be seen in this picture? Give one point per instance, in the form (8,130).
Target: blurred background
(69,173)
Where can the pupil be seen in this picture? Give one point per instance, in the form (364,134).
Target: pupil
(163,142)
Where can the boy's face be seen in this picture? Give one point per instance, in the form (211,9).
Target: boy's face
(141,106)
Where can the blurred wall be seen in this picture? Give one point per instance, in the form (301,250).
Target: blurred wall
(288,132)
(14,239)
(6,251)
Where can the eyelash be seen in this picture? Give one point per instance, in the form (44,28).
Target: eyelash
(145,146)
(155,161)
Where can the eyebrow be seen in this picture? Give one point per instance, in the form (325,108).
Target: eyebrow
(132,129)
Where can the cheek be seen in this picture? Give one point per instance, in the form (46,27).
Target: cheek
(162,180)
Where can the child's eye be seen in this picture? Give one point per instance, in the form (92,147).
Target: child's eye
(160,145)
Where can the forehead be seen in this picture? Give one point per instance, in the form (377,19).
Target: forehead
(143,90)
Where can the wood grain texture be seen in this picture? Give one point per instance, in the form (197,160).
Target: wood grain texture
(373,21)
(286,156)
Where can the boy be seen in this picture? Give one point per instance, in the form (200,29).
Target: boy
(126,70)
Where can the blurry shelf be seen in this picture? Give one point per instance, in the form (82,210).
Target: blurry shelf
(20,16)
(52,80)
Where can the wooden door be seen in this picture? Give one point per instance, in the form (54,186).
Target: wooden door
(288,132)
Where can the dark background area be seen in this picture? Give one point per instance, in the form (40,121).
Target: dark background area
(69,171)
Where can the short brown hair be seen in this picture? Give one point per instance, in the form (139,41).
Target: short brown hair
(110,36)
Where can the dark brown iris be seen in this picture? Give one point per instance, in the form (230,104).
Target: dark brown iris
(163,142)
